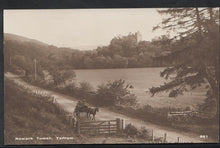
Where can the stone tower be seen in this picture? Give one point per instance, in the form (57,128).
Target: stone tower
(138,36)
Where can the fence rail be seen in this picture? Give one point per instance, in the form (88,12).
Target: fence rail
(100,127)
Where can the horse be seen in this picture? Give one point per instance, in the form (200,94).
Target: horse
(93,112)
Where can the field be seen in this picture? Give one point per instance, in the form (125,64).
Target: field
(141,79)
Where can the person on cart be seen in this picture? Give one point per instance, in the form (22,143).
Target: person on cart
(80,107)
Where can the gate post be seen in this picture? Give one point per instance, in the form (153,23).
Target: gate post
(70,120)
(109,128)
(153,135)
(178,139)
(119,125)
(78,127)
(165,138)
(122,124)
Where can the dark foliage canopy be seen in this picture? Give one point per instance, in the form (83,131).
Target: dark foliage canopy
(195,52)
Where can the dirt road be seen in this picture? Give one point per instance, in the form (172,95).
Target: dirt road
(68,103)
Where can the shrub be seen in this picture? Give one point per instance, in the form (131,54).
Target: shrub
(129,100)
(104,96)
(145,134)
(113,93)
(130,130)
(71,88)
(85,90)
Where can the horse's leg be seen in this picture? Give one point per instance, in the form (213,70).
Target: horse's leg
(73,122)
(94,115)
(78,115)
(87,115)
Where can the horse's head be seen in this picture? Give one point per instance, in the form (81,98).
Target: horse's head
(97,109)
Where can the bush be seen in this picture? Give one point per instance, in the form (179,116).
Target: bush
(85,90)
(142,133)
(104,96)
(71,88)
(130,130)
(114,93)
(129,100)
(145,134)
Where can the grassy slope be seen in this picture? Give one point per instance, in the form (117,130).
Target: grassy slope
(28,116)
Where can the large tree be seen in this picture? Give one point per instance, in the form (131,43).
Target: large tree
(194,50)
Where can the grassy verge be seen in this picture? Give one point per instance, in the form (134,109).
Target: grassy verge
(31,116)
(198,126)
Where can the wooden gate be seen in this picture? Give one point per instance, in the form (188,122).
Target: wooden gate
(100,127)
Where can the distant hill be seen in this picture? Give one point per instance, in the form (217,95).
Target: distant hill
(14,37)
(21,51)
(87,47)
(20,41)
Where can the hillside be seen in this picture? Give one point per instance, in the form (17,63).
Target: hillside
(122,52)
(18,38)
(15,44)
(28,116)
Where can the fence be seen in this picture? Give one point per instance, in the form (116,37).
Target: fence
(100,127)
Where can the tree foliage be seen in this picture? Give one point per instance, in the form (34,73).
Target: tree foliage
(114,93)
(60,77)
(194,50)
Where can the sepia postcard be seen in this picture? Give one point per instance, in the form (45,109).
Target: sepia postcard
(111,76)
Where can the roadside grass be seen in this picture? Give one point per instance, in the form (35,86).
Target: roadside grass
(30,116)
(200,126)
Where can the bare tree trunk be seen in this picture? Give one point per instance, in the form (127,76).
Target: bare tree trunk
(198,23)
(210,13)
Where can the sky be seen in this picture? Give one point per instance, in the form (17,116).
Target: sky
(81,27)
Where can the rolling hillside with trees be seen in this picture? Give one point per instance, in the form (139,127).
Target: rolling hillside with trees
(122,52)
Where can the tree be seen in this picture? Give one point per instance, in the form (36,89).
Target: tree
(119,61)
(85,89)
(24,63)
(113,93)
(61,76)
(194,51)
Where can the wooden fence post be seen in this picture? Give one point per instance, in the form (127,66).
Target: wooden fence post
(152,135)
(78,127)
(70,120)
(109,128)
(178,139)
(119,126)
(165,137)
(122,124)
